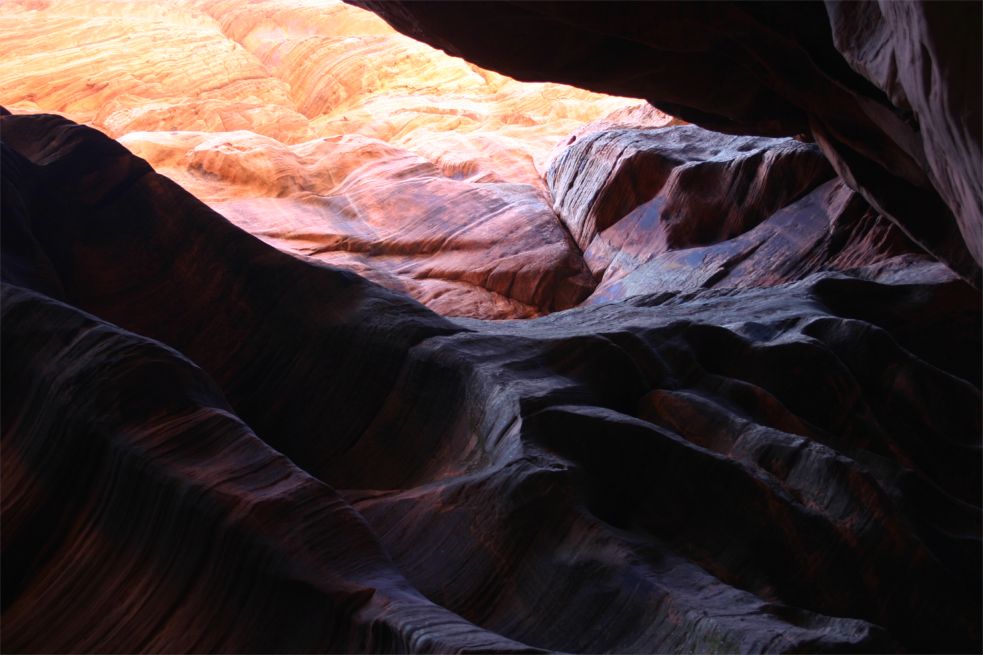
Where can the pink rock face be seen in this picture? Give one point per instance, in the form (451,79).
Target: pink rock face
(463,247)
(319,128)
(890,91)
(484,250)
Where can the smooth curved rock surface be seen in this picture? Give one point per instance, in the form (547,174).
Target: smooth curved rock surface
(290,70)
(890,91)
(709,187)
(463,247)
(316,126)
(682,208)
(755,470)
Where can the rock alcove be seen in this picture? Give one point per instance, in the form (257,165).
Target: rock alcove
(253,401)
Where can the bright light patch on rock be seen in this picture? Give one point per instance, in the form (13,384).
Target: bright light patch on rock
(295,118)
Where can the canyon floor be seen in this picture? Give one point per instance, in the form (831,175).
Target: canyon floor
(316,338)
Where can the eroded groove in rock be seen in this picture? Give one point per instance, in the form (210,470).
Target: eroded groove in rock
(147,517)
(683,208)
(741,469)
(707,187)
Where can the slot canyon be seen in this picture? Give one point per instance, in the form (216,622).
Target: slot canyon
(516,326)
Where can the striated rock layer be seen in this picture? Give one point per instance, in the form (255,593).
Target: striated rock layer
(288,69)
(319,128)
(483,249)
(212,445)
(684,208)
(889,90)
(233,422)
(618,194)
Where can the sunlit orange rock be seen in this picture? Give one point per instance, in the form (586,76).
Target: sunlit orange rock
(316,126)
(133,65)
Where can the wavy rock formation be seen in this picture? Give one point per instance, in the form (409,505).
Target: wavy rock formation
(210,444)
(710,187)
(289,70)
(625,192)
(682,208)
(308,122)
(483,249)
(145,66)
(235,420)
(888,90)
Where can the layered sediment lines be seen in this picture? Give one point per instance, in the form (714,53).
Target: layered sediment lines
(683,208)
(889,91)
(124,66)
(490,250)
(250,403)
(318,127)
(210,444)
(624,209)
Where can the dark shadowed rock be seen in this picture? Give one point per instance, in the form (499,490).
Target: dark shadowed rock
(683,208)
(754,470)
(830,229)
(925,56)
(890,91)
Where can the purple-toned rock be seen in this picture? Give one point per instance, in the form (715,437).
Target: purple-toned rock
(648,191)
(212,445)
(830,229)
(890,91)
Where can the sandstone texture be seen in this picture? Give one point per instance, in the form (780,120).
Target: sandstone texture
(210,444)
(483,249)
(683,208)
(251,399)
(310,122)
(889,90)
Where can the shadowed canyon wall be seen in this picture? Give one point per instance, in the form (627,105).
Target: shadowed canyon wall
(251,401)
(889,90)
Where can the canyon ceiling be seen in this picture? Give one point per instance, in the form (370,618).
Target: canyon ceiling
(317,338)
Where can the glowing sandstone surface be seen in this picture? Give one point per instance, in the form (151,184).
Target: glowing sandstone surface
(317,127)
